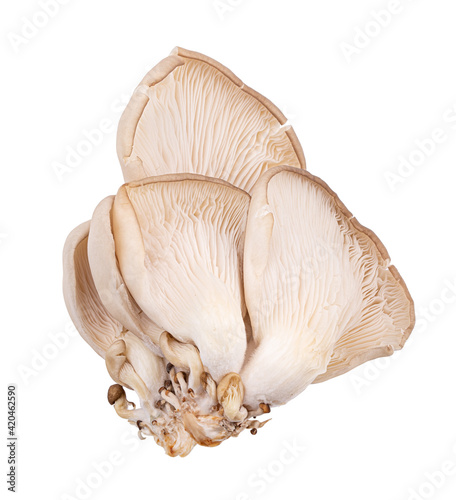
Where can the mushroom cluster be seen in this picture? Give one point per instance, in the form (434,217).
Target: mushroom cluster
(223,278)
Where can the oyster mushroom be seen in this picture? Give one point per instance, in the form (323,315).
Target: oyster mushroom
(211,304)
(319,287)
(185,356)
(191,114)
(95,325)
(109,282)
(129,362)
(179,242)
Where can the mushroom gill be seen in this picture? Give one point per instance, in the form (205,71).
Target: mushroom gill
(95,325)
(324,301)
(108,280)
(191,114)
(179,242)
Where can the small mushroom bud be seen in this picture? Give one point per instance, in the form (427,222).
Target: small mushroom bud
(265,408)
(115,392)
(230,394)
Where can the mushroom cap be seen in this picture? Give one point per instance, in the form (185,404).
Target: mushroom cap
(191,114)
(115,392)
(179,242)
(108,280)
(129,361)
(133,365)
(95,324)
(320,291)
(184,356)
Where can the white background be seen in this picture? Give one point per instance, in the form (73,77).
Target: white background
(377,433)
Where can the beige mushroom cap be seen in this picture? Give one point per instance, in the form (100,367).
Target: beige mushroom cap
(129,361)
(191,114)
(179,242)
(95,324)
(108,280)
(320,291)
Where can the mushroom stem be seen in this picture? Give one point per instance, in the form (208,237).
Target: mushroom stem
(182,382)
(174,384)
(185,356)
(256,424)
(121,407)
(209,386)
(171,398)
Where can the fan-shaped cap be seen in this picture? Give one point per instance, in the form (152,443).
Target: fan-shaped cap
(191,114)
(128,360)
(179,242)
(131,364)
(109,282)
(95,324)
(320,292)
